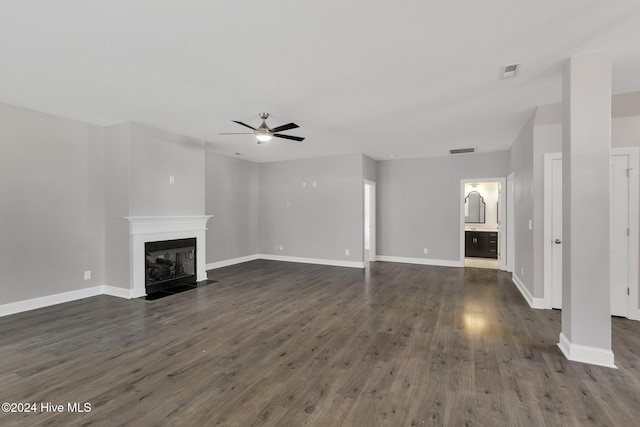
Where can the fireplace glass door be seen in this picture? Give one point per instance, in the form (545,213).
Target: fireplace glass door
(169,262)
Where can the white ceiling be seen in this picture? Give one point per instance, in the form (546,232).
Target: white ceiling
(409,78)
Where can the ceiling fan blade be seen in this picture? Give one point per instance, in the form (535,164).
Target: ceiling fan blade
(284,127)
(236,133)
(244,124)
(295,138)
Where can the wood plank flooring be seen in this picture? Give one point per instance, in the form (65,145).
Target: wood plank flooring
(286,344)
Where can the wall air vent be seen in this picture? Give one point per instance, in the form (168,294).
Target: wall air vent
(462,150)
(510,70)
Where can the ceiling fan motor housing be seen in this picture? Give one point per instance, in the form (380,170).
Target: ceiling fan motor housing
(263,133)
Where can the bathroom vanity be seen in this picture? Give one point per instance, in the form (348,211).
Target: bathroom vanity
(481,243)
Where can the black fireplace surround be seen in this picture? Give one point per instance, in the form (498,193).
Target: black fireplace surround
(169,263)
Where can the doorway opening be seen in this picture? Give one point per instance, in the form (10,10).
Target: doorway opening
(483,220)
(369,249)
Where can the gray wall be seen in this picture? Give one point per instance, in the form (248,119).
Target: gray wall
(313,222)
(369,168)
(419,201)
(625,104)
(157,154)
(138,162)
(117,150)
(547,139)
(625,131)
(521,164)
(232,197)
(52,204)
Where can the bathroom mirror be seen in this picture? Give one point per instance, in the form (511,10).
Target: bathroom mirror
(474,208)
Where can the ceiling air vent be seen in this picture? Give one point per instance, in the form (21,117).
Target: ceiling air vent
(510,70)
(462,150)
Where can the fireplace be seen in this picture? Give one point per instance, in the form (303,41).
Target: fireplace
(164,229)
(169,263)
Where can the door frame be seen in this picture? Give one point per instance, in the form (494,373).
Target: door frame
(503,254)
(633,308)
(372,220)
(547,232)
(511,241)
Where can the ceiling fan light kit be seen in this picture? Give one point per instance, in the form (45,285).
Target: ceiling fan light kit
(264,133)
(263,137)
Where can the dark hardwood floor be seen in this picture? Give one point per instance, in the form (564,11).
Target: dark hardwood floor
(287,344)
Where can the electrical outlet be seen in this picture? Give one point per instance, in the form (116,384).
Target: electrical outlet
(87,275)
(277,247)
(347,252)
(315,184)
(281,248)
(530,224)
(522,271)
(426,250)
(304,183)
(172,179)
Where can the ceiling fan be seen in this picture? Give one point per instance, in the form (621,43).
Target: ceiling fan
(264,133)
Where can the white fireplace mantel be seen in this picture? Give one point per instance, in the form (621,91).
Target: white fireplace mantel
(143,229)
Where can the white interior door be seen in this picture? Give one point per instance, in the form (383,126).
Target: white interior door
(556,233)
(619,235)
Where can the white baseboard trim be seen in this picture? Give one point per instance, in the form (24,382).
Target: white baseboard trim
(421,261)
(320,261)
(48,300)
(270,257)
(231,261)
(115,291)
(533,302)
(45,301)
(586,354)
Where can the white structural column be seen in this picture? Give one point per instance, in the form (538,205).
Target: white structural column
(586,147)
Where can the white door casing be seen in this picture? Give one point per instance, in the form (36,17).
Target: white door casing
(510,196)
(556,233)
(619,236)
(369,246)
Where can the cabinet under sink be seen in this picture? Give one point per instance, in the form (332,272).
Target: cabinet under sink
(481,244)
